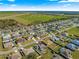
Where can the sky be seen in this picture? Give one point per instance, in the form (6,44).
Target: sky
(39,5)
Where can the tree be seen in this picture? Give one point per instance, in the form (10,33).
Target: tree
(30,56)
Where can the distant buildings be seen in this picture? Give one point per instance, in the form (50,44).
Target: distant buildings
(15,35)
(75,42)
(72,46)
(66,53)
(40,48)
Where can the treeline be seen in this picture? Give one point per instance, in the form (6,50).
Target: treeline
(7,23)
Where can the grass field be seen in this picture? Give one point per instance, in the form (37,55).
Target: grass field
(75,55)
(61,43)
(2,57)
(3,14)
(47,55)
(74,31)
(0,43)
(36,18)
(31,18)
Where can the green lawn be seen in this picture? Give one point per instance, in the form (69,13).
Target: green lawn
(27,42)
(61,43)
(2,57)
(47,55)
(75,55)
(33,55)
(1,44)
(74,31)
(57,48)
(30,46)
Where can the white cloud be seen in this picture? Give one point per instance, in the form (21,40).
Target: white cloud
(69,1)
(11,0)
(66,5)
(40,8)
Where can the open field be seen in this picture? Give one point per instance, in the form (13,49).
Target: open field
(31,18)
(74,31)
(75,55)
(36,18)
(5,14)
